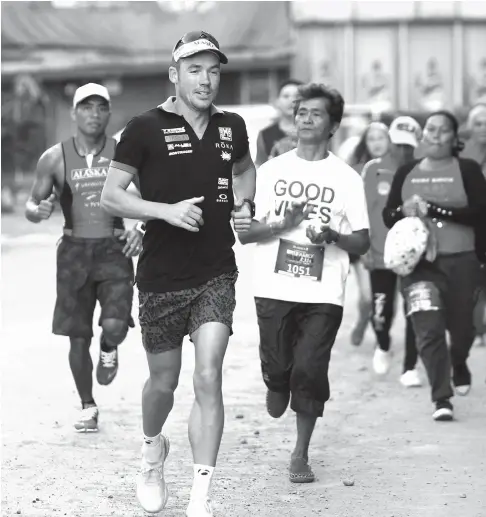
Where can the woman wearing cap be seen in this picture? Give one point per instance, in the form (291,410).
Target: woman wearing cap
(374,142)
(377,176)
(475,149)
(450,194)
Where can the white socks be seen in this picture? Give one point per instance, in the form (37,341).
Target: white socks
(202,481)
(151,448)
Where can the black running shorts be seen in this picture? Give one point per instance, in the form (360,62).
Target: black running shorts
(89,270)
(165,318)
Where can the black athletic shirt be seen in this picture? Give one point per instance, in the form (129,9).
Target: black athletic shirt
(173,165)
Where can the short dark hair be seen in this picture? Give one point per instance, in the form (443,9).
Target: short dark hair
(289,82)
(320,91)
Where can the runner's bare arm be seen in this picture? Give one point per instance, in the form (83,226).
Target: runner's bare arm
(39,206)
(262,155)
(244,178)
(117,201)
(259,231)
(263,231)
(356,243)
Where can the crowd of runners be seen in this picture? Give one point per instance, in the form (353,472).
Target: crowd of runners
(405,212)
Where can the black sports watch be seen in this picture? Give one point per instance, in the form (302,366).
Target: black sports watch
(252,206)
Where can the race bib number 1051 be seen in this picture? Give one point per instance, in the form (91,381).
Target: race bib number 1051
(300,260)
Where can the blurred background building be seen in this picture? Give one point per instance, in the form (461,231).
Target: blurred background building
(385,57)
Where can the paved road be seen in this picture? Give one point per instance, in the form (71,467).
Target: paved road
(374,432)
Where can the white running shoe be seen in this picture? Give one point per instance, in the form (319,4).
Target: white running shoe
(152,492)
(199,508)
(87,421)
(410,379)
(381,361)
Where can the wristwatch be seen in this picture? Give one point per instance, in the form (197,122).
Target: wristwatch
(252,206)
(140,227)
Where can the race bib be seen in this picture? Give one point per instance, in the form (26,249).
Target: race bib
(422,296)
(300,260)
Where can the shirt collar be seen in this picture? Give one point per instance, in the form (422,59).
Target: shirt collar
(169,106)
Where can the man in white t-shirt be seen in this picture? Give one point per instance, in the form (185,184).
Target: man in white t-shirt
(310,214)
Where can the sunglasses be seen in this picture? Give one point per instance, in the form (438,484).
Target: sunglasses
(190,37)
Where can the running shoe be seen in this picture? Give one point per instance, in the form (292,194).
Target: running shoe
(381,361)
(88,420)
(152,492)
(277,403)
(461,376)
(107,366)
(410,379)
(199,508)
(444,412)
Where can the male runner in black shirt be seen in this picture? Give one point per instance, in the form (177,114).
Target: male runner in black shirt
(189,157)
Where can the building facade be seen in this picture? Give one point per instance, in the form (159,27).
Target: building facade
(401,55)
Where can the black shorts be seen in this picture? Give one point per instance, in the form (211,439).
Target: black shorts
(165,318)
(89,270)
(296,340)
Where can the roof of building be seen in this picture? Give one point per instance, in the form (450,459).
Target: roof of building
(142,32)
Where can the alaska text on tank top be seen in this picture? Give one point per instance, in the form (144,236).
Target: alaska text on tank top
(80,198)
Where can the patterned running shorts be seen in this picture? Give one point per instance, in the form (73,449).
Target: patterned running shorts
(165,318)
(89,270)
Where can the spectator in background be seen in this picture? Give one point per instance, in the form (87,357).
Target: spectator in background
(378,174)
(284,125)
(374,143)
(476,150)
(450,193)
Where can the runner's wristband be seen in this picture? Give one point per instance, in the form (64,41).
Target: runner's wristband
(140,227)
(252,206)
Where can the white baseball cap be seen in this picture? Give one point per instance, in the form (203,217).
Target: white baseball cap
(405,131)
(88,90)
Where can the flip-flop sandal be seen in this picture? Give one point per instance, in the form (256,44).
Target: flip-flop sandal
(300,471)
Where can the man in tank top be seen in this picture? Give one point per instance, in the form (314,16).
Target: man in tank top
(94,256)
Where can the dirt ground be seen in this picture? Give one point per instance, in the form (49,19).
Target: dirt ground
(374,432)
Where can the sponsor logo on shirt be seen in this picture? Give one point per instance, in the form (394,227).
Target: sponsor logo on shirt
(226,133)
(222,198)
(225,156)
(93,172)
(187,151)
(177,138)
(102,159)
(174,130)
(222,145)
(223,183)
(171,147)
